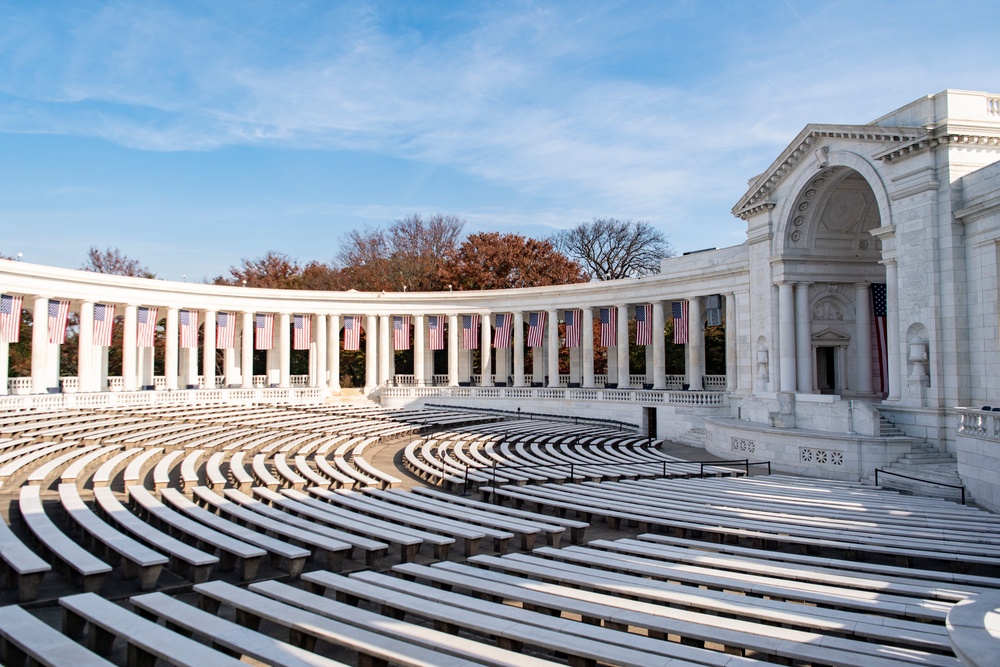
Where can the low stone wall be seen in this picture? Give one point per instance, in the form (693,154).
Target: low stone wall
(806,452)
(978,455)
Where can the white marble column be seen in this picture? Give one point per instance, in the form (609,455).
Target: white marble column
(371,353)
(333,351)
(552,349)
(696,344)
(129,348)
(622,348)
(538,365)
(40,345)
(146,356)
(587,346)
(732,361)
(804,356)
(453,350)
(170,356)
(230,363)
(283,335)
(863,337)
(517,340)
(208,360)
(246,351)
(385,352)
(659,348)
(895,362)
(786,337)
(419,350)
(319,344)
(85,367)
(486,349)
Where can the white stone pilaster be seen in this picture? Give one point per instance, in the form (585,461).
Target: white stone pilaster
(622,348)
(786,338)
(732,358)
(804,356)
(552,349)
(85,367)
(129,348)
(696,344)
(659,348)
(453,350)
(486,349)
(208,361)
(517,340)
(863,337)
(896,366)
(318,348)
(587,346)
(419,350)
(246,350)
(371,353)
(170,350)
(333,351)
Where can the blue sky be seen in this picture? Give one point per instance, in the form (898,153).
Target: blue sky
(193,134)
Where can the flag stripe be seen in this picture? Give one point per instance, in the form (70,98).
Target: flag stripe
(572,318)
(10,318)
(470,332)
(680,313)
(301,332)
(536,329)
(263,331)
(504,326)
(401,332)
(189,329)
(644,324)
(352,332)
(435,330)
(58,315)
(225,331)
(104,320)
(879,299)
(145,333)
(609,327)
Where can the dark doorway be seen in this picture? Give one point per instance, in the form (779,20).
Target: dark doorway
(650,422)
(826,370)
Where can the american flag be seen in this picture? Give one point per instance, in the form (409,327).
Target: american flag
(880,306)
(644,324)
(352,332)
(572,318)
(680,312)
(609,327)
(145,333)
(435,327)
(401,332)
(536,328)
(301,332)
(504,325)
(225,331)
(470,332)
(10,318)
(263,331)
(58,314)
(104,320)
(189,329)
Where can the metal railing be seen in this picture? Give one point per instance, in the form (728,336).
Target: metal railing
(746,463)
(917,479)
(540,416)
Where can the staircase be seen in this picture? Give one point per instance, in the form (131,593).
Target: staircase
(926,463)
(693,438)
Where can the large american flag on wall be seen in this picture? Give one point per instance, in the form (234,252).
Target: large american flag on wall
(470,332)
(401,332)
(263,331)
(301,332)
(10,318)
(145,332)
(225,331)
(435,330)
(644,324)
(680,312)
(104,320)
(58,315)
(536,328)
(504,325)
(609,327)
(880,307)
(572,319)
(189,329)
(352,332)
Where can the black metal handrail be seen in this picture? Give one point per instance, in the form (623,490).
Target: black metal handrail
(541,416)
(917,479)
(746,463)
(611,468)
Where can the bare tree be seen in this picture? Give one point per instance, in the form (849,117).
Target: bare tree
(610,248)
(274,270)
(407,255)
(113,262)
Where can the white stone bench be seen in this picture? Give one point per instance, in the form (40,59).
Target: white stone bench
(214,478)
(577,528)
(163,468)
(139,560)
(25,568)
(307,628)
(25,636)
(291,478)
(189,469)
(512,628)
(373,550)
(192,563)
(470,535)
(69,557)
(232,637)
(358,459)
(331,471)
(26,457)
(242,480)
(134,470)
(105,474)
(103,621)
(73,471)
(312,477)
(289,558)
(407,539)
(231,550)
(262,474)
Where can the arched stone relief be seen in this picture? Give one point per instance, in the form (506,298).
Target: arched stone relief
(828,309)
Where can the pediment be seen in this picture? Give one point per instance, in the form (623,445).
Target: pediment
(830,337)
(805,148)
